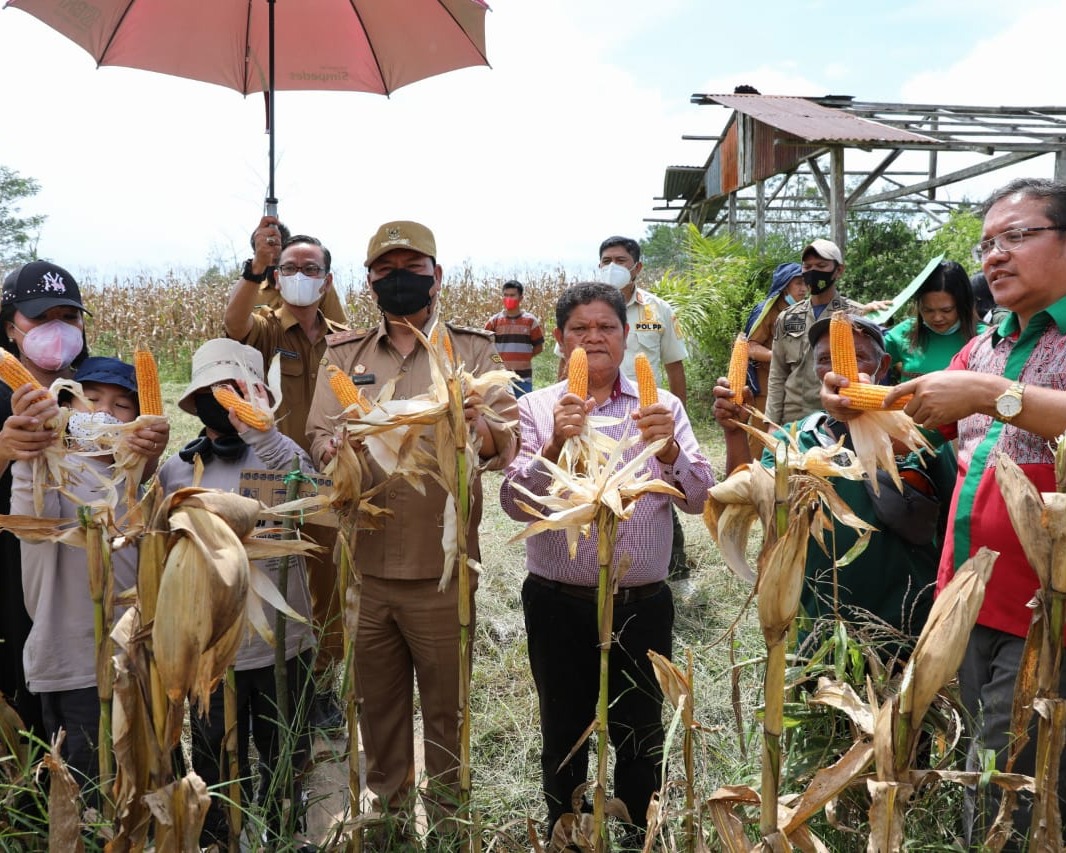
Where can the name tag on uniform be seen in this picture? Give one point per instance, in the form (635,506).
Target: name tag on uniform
(363,378)
(795,325)
(649,327)
(286,353)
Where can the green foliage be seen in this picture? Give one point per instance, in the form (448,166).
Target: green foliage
(881,258)
(18,234)
(956,237)
(712,295)
(662,249)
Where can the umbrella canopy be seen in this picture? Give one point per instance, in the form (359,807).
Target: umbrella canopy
(344,45)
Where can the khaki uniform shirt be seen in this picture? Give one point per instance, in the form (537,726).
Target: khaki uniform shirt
(793,391)
(278,332)
(330,306)
(409,545)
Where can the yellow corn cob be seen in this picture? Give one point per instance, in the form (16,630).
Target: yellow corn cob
(842,347)
(346,391)
(649,392)
(246,412)
(13,373)
(738,368)
(149,394)
(434,336)
(577,373)
(863,395)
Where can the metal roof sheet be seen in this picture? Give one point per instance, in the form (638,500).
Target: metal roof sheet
(812,122)
(681,181)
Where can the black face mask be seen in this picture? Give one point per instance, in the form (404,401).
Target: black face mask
(819,281)
(402,292)
(213,414)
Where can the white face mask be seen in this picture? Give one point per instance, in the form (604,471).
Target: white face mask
(300,289)
(614,274)
(83,429)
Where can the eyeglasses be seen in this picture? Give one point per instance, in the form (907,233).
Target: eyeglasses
(1008,241)
(309,270)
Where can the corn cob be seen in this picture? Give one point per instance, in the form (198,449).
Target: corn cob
(149,394)
(346,391)
(864,396)
(13,373)
(434,336)
(649,392)
(842,347)
(738,368)
(577,373)
(246,412)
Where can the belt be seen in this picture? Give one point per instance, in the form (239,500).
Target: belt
(625,594)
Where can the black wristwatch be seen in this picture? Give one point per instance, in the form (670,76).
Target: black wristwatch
(256,277)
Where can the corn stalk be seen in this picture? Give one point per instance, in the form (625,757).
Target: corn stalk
(607,527)
(102,593)
(349,589)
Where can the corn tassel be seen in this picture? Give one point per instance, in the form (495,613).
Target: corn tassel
(346,391)
(577,373)
(13,373)
(149,394)
(738,368)
(649,391)
(248,414)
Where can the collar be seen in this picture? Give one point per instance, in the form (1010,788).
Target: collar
(640,296)
(288,319)
(382,330)
(1011,327)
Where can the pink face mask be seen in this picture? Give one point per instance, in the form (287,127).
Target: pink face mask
(510,302)
(52,346)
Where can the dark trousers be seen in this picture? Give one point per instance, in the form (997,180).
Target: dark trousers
(986,679)
(564,657)
(77,712)
(15,627)
(280,762)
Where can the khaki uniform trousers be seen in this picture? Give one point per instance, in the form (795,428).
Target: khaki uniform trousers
(408,630)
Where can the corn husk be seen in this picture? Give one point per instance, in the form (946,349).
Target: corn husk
(179,810)
(64,797)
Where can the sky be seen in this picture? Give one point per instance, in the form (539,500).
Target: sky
(521,167)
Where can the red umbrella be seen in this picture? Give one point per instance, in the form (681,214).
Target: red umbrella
(346,45)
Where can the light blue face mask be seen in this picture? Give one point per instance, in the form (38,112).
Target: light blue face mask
(790,299)
(951,330)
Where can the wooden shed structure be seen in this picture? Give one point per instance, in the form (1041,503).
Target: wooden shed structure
(774,148)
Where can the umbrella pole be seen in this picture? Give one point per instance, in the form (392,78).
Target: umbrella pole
(271,206)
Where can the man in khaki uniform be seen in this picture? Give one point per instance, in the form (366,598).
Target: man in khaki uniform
(295,331)
(794,387)
(407,628)
(270,228)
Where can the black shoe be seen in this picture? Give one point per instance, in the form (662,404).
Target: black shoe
(326,713)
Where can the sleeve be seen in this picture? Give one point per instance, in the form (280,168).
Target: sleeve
(22,492)
(526,470)
(691,473)
(321,423)
(536,336)
(672,348)
(894,342)
(490,325)
(277,450)
(775,385)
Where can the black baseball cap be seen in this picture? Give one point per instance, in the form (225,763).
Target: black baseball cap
(39,285)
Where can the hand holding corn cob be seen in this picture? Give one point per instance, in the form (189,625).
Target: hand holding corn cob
(248,413)
(861,395)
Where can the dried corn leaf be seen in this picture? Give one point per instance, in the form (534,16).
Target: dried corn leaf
(1026,509)
(827,783)
(842,696)
(872,435)
(64,798)
(780,583)
(179,810)
(674,684)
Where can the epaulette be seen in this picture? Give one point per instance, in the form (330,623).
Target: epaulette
(469,330)
(348,335)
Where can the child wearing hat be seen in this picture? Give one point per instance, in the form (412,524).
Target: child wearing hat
(227,447)
(60,653)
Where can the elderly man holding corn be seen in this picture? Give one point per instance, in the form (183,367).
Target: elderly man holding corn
(559,593)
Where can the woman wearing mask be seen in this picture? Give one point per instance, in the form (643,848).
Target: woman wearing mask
(786,288)
(945,321)
(41,323)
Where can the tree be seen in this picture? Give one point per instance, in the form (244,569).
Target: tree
(18,234)
(662,249)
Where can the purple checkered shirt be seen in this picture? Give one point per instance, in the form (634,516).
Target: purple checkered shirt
(648,533)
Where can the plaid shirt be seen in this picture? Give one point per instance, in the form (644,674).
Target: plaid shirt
(648,533)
